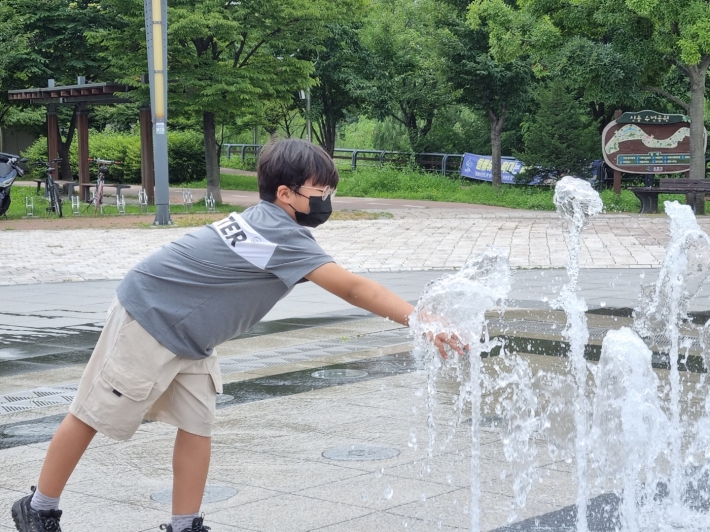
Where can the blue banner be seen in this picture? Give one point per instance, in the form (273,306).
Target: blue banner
(481,167)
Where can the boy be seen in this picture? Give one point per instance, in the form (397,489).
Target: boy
(155,357)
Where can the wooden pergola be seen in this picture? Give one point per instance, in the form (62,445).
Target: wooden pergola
(83,95)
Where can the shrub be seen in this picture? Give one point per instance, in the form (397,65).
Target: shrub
(186,155)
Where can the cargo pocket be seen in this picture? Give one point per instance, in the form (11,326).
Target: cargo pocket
(215,373)
(135,363)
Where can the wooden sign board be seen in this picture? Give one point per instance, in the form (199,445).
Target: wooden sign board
(647,142)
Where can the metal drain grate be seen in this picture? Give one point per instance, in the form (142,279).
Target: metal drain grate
(360,453)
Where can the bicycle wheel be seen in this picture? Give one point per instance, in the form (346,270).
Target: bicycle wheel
(58,199)
(54,200)
(99,197)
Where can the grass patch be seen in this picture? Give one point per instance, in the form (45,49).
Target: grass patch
(408,184)
(359,215)
(41,204)
(392,183)
(229,182)
(236,162)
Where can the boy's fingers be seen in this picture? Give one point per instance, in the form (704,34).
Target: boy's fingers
(440,345)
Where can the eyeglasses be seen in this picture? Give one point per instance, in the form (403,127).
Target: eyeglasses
(326,192)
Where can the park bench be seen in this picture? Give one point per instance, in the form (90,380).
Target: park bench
(693,189)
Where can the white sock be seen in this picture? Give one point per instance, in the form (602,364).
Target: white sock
(182,522)
(42,502)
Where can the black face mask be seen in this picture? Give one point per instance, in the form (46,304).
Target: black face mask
(321,210)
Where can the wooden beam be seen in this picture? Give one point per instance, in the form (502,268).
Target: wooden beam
(52,137)
(82,130)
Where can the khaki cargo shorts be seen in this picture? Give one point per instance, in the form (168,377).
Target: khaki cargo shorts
(131,377)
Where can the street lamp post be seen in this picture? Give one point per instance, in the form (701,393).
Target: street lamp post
(306,95)
(156,33)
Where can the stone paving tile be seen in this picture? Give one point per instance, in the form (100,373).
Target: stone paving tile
(428,239)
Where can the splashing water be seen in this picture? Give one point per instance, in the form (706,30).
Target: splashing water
(622,432)
(663,306)
(629,427)
(577,201)
(456,304)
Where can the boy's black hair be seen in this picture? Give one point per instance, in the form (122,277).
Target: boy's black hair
(292,162)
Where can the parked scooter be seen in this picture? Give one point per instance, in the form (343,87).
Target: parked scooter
(9,171)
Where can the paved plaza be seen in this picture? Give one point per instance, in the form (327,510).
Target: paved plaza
(323,422)
(413,240)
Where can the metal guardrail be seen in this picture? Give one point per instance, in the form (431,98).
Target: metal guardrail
(254,148)
(443,163)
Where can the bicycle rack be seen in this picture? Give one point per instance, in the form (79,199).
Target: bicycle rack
(142,201)
(29,206)
(121,204)
(209,202)
(187,198)
(75,205)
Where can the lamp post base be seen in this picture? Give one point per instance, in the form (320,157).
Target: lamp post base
(162,215)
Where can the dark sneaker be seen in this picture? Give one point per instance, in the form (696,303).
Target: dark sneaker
(197,526)
(29,520)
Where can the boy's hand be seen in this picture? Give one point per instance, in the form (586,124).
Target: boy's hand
(451,340)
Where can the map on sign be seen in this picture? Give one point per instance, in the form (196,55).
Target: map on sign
(647,142)
(634,132)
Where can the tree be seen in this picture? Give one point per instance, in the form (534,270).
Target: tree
(226,59)
(651,37)
(51,40)
(338,68)
(403,78)
(483,83)
(558,140)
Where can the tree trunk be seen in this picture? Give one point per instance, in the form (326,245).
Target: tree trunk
(211,156)
(697,74)
(327,132)
(496,130)
(63,147)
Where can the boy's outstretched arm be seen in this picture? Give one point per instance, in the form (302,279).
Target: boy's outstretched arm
(372,296)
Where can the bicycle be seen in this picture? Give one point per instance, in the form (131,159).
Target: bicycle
(55,200)
(98,199)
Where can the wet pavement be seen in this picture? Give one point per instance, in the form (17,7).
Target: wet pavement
(315,427)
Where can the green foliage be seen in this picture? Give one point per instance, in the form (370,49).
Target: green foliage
(357,134)
(43,40)
(391,135)
(186,159)
(249,163)
(403,76)
(558,139)
(339,65)
(624,202)
(457,129)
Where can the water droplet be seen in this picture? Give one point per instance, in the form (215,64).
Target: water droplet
(379,472)
(363,496)
(449,479)
(423,497)
(388,492)
(413,439)
(602,304)
(544,299)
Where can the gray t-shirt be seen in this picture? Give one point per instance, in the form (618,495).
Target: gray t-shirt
(213,284)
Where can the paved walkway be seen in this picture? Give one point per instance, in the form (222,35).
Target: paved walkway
(272,469)
(414,239)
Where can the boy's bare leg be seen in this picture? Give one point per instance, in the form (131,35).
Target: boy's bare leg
(66,449)
(191,463)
